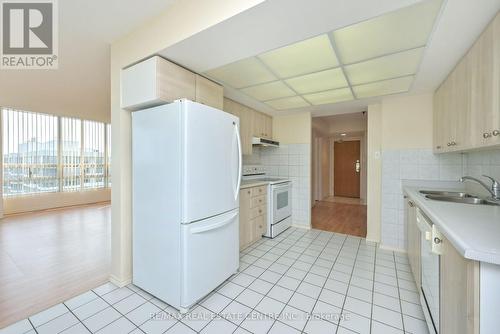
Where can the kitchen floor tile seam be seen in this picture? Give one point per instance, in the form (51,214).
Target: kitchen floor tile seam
(79,321)
(323,287)
(302,280)
(253,309)
(234,299)
(46,322)
(343,304)
(123,315)
(400,306)
(373,293)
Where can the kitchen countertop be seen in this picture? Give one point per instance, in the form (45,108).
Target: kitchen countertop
(253,183)
(474,230)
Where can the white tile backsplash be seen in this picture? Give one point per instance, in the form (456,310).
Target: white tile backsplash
(401,165)
(480,163)
(292,161)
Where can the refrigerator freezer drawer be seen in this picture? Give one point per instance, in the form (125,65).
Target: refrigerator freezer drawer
(210,255)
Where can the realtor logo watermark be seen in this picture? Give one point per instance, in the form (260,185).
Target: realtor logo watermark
(29,34)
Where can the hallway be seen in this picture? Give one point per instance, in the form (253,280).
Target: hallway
(340,215)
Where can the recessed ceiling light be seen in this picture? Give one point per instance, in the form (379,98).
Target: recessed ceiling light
(319,81)
(400,30)
(395,65)
(331,96)
(343,134)
(311,55)
(288,103)
(392,86)
(243,73)
(269,91)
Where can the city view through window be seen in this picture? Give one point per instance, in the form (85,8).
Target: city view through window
(45,153)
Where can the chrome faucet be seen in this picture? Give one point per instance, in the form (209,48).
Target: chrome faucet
(494,190)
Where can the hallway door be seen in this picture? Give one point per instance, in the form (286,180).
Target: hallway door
(346,170)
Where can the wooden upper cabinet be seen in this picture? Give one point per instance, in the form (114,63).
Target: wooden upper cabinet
(467,104)
(484,68)
(262,125)
(155,81)
(209,92)
(244,114)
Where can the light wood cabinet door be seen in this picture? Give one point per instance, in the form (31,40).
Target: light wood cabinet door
(459,292)
(259,124)
(246,230)
(245,116)
(209,92)
(467,104)
(268,127)
(413,241)
(155,81)
(484,67)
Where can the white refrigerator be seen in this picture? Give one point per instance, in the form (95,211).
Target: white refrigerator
(186,178)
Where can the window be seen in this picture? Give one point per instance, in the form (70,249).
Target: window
(45,153)
(29,152)
(94,167)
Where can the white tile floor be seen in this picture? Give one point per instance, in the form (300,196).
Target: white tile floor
(303,281)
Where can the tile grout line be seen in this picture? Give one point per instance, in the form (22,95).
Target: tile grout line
(247,287)
(327,277)
(399,294)
(373,289)
(301,281)
(348,286)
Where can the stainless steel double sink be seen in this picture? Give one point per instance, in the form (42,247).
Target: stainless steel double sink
(457,197)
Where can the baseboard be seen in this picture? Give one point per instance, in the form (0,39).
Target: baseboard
(302,226)
(120,283)
(392,249)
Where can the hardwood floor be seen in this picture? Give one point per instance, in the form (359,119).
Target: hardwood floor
(50,256)
(337,216)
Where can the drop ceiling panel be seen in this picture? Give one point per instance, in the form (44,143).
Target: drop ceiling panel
(269,91)
(311,55)
(400,30)
(331,96)
(319,81)
(392,86)
(288,103)
(391,66)
(243,73)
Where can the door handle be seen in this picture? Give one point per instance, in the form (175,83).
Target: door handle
(357,166)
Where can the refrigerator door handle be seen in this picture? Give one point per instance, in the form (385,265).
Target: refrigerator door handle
(238,139)
(215,226)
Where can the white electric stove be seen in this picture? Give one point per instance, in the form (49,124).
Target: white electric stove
(279,199)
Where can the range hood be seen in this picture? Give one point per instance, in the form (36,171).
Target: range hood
(256,141)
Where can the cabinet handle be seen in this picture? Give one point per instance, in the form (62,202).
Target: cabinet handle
(486,135)
(438,147)
(496,133)
(248,192)
(437,241)
(453,143)
(449,144)
(411,204)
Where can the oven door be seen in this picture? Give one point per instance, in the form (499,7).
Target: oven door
(282,202)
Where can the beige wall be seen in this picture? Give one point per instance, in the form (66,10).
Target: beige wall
(402,122)
(407,122)
(182,20)
(292,129)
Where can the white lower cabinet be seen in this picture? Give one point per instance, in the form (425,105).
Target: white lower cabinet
(462,288)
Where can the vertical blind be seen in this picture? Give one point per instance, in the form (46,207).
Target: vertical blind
(45,153)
